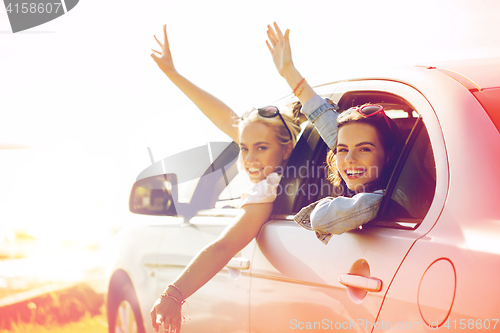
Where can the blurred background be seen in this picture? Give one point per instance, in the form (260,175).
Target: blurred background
(81,101)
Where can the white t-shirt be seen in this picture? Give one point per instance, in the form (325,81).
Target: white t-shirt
(263,191)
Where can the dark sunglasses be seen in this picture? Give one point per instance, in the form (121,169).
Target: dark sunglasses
(367,111)
(269,112)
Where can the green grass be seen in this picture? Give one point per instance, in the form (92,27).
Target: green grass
(96,324)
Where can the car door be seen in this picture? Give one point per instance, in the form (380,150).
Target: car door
(222,303)
(300,283)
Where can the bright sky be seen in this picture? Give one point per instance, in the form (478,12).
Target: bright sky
(84,86)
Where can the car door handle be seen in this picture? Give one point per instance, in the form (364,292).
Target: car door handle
(239,263)
(368,283)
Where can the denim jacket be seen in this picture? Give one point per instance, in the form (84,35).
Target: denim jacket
(323,116)
(330,216)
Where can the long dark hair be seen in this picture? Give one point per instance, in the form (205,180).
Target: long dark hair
(391,140)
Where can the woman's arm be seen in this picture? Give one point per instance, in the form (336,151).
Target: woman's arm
(317,109)
(334,216)
(218,112)
(279,46)
(210,261)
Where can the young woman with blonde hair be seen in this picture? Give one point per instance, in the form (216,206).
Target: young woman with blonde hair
(266,138)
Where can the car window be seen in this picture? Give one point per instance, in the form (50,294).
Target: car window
(304,179)
(186,190)
(312,157)
(411,189)
(230,197)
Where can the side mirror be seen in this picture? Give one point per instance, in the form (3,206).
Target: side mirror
(155,195)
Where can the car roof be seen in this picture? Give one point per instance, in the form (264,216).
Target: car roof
(482,78)
(481,73)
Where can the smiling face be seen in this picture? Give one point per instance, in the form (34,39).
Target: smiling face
(261,152)
(360,155)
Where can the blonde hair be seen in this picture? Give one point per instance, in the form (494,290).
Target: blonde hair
(276,125)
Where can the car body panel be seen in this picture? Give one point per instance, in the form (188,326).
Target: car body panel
(483,73)
(297,283)
(222,304)
(466,234)
(136,265)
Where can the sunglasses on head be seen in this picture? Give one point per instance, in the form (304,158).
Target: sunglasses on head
(367,111)
(269,112)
